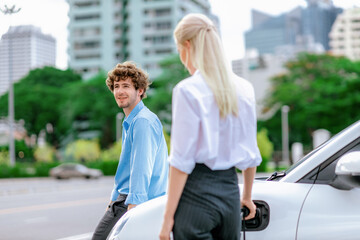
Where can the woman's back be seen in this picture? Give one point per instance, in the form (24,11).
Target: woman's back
(219,143)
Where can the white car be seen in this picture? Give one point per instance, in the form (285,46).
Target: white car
(316,198)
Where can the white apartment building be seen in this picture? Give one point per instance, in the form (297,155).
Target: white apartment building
(345,34)
(104,33)
(28,48)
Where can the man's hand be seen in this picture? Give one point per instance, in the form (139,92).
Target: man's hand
(130,206)
(108,206)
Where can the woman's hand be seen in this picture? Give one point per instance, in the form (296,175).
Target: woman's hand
(251,206)
(248,175)
(166,228)
(177,180)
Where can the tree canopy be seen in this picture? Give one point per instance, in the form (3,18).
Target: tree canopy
(160,93)
(37,97)
(90,110)
(83,109)
(322,91)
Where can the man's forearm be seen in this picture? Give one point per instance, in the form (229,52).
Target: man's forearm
(130,206)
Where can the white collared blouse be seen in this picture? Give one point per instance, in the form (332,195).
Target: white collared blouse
(199,135)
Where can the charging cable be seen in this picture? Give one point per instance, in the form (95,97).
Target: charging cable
(244,212)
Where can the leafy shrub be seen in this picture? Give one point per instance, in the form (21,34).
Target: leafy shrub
(167,139)
(42,169)
(111,154)
(4,157)
(107,167)
(45,153)
(83,150)
(266,149)
(23,151)
(19,170)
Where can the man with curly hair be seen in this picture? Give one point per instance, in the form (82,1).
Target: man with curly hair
(142,172)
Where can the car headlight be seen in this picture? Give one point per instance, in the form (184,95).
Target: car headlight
(118,227)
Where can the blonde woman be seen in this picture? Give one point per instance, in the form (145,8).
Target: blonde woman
(213,131)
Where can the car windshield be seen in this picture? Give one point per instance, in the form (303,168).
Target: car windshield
(292,167)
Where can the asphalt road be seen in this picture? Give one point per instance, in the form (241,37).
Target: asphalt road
(49,209)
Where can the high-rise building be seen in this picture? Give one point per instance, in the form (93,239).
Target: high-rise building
(299,25)
(28,48)
(270,32)
(103,33)
(317,20)
(345,34)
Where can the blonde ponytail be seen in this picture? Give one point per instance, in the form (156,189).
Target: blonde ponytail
(207,55)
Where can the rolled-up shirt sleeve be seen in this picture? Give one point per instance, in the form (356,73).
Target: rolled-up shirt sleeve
(114,193)
(142,160)
(249,142)
(184,131)
(255,156)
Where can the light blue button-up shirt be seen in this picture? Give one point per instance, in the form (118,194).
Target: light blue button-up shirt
(142,172)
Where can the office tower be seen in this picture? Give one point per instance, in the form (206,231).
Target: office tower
(103,33)
(270,32)
(345,34)
(28,48)
(300,25)
(317,20)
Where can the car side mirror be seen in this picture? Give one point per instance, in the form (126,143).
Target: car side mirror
(347,171)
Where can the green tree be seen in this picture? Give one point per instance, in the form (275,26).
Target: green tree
(37,97)
(160,93)
(22,152)
(322,91)
(90,110)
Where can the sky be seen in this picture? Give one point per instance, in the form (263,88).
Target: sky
(234,15)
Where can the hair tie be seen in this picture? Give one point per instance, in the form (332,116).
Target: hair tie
(208,28)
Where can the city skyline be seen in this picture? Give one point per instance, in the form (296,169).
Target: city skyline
(235,19)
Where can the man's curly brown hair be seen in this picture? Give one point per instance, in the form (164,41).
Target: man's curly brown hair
(125,70)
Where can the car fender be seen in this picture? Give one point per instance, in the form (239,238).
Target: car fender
(285,201)
(142,222)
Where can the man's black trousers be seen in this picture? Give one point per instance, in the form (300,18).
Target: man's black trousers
(116,210)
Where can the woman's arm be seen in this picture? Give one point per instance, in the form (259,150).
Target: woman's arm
(177,180)
(248,175)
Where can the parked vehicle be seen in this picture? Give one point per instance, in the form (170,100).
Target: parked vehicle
(316,198)
(70,170)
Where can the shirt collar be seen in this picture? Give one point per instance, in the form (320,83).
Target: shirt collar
(132,114)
